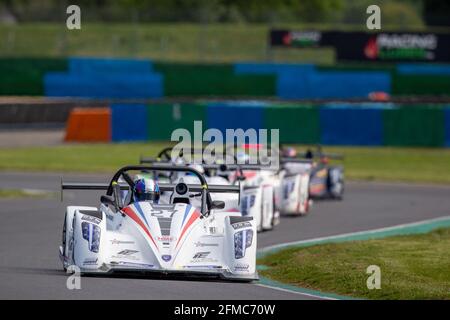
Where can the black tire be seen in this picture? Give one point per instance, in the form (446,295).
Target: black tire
(331,184)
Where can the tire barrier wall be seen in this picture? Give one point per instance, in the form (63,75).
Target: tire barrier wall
(129,122)
(366,124)
(39,114)
(20,76)
(128,78)
(105,78)
(352,125)
(306,82)
(414,126)
(89,125)
(163,119)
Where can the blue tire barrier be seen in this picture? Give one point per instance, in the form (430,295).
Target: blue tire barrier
(236,115)
(332,85)
(350,125)
(103,86)
(348,84)
(292,79)
(293,85)
(129,122)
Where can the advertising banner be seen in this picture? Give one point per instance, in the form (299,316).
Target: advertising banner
(365,46)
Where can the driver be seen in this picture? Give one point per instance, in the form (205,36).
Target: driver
(146,189)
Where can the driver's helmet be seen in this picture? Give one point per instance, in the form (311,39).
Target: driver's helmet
(289,152)
(146,189)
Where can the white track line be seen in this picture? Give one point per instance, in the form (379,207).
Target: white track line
(324,297)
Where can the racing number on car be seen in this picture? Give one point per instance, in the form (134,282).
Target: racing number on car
(160,213)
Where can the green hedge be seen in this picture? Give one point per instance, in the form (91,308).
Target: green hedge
(414,126)
(297,123)
(22,76)
(164,118)
(215,79)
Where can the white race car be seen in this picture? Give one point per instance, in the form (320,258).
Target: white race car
(293,192)
(259,187)
(289,183)
(123,235)
(257,184)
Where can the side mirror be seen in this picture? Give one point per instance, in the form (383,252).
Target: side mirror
(241,178)
(217,204)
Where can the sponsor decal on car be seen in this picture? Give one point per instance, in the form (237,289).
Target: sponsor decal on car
(115,241)
(90,261)
(242,267)
(127,252)
(203,244)
(240,225)
(202,257)
(166,238)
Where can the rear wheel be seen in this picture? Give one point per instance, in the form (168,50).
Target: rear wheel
(335,183)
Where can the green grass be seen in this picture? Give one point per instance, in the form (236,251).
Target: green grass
(396,164)
(383,164)
(93,158)
(183,42)
(412,267)
(17,193)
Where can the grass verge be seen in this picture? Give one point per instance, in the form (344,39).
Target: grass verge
(18,193)
(384,164)
(183,42)
(412,267)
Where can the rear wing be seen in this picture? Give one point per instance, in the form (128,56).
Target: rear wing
(217,166)
(230,167)
(162,186)
(333,156)
(296,160)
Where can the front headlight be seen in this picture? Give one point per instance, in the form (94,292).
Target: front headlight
(242,240)
(91,233)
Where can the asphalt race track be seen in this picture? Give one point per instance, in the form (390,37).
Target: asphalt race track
(30,233)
